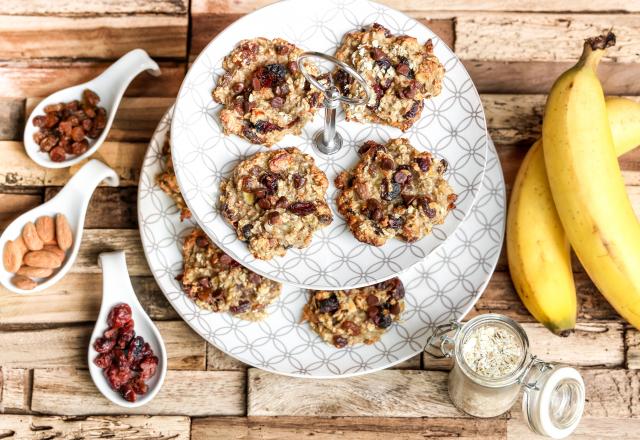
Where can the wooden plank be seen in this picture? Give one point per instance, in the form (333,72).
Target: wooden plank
(227,6)
(193,393)
(219,361)
(17,169)
(513,119)
(102,7)
(389,393)
(15,390)
(120,427)
(348,428)
(136,120)
(632,343)
(110,208)
(67,347)
(592,344)
(11,118)
(43,77)
(601,428)
(75,298)
(92,37)
(12,205)
(542,37)
(96,241)
(501,297)
(539,76)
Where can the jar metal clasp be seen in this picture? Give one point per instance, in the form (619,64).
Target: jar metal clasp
(442,341)
(534,362)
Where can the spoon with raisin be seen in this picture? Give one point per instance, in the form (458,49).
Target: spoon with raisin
(127,356)
(71,124)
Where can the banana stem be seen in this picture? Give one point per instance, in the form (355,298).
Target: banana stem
(594,49)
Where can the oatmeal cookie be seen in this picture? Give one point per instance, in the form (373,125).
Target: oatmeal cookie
(348,317)
(394,191)
(401,72)
(264,94)
(217,282)
(275,200)
(168,183)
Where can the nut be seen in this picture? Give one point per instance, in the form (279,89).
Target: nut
(34,272)
(63,232)
(31,238)
(11,256)
(55,250)
(46,229)
(20,243)
(24,283)
(42,259)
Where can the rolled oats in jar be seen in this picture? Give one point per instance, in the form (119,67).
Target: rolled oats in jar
(492,364)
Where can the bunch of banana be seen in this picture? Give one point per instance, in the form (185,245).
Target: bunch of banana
(538,248)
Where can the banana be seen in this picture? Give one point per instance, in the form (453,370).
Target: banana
(537,247)
(587,185)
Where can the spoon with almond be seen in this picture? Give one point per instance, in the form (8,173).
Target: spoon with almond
(40,246)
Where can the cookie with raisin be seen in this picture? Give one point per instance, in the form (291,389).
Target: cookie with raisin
(394,191)
(275,200)
(265,96)
(169,184)
(400,71)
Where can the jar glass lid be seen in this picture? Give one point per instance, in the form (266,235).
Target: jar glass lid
(553,402)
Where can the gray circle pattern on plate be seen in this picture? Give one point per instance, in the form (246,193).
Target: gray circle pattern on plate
(452,126)
(443,287)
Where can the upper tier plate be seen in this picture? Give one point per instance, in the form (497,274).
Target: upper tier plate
(452,126)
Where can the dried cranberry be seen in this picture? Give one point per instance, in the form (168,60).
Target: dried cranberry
(125,337)
(389,190)
(246,231)
(377,89)
(111,333)
(139,386)
(266,127)
(343,81)
(292,66)
(340,341)
(395,222)
(103,360)
(431,212)
(39,121)
(401,177)
(351,327)
(395,288)
(377,53)
(298,181)
(104,345)
(264,203)
(282,202)
(423,163)
(225,260)
(255,278)
(148,367)
(202,242)
(49,142)
(270,181)
(119,315)
(402,69)
(443,166)
(271,75)
(302,208)
(328,305)
(373,311)
(376,215)
(384,63)
(379,27)
(117,377)
(408,199)
(242,307)
(395,309)
(387,164)
(277,102)
(134,353)
(274,218)
(368,146)
(413,111)
(372,300)
(128,393)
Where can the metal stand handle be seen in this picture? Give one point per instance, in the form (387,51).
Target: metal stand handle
(328,141)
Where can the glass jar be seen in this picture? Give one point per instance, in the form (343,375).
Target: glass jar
(553,398)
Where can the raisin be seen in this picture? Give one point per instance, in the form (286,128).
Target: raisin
(387,164)
(379,27)
(384,63)
(302,208)
(423,163)
(443,166)
(367,146)
(101,118)
(48,143)
(298,181)
(270,181)
(90,97)
(225,260)
(431,212)
(396,288)
(329,305)
(260,193)
(292,66)
(266,127)
(103,360)
(242,307)
(340,341)
(39,121)
(255,278)
(413,111)
(65,128)
(72,105)
(247,106)
(383,320)
(402,69)
(202,242)
(277,102)
(377,89)
(395,309)
(264,203)
(410,91)
(104,345)
(343,81)
(271,75)
(372,300)
(119,315)
(58,154)
(79,147)
(53,108)
(351,327)
(389,190)
(282,202)
(376,215)
(77,134)
(373,311)
(274,218)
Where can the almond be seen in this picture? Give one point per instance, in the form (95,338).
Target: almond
(11,256)
(20,243)
(24,283)
(31,238)
(63,232)
(46,229)
(56,250)
(42,259)
(34,272)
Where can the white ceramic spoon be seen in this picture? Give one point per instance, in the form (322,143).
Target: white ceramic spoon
(110,85)
(72,201)
(117,289)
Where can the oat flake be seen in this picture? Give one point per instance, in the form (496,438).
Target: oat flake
(492,351)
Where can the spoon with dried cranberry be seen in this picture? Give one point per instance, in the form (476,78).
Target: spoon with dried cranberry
(71,124)
(127,357)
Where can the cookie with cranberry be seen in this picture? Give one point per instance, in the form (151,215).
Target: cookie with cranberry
(168,183)
(217,282)
(264,94)
(394,191)
(401,72)
(275,200)
(347,317)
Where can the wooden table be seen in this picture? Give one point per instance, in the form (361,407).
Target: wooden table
(514,49)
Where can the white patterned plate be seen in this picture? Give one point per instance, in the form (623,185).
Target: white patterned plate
(443,287)
(452,126)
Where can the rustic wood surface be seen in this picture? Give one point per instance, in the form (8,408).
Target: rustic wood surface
(513,49)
